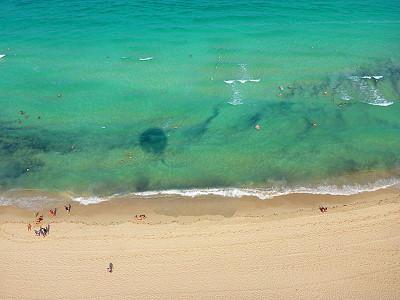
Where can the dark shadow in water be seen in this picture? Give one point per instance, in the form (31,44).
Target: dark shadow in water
(255,119)
(394,77)
(153,140)
(142,184)
(17,153)
(200,129)
(20,146)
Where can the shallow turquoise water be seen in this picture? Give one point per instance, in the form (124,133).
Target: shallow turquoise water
(112,123)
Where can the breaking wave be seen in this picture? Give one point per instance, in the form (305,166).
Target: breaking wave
(22,199)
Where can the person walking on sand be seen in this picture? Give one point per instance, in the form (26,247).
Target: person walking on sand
(29,227)
(68,208)
(110,267)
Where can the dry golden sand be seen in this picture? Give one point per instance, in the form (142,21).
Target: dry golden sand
(208,248)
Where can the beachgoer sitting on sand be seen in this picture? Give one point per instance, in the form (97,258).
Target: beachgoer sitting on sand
(323,209)
(110,268)
(140,217)
(37,232)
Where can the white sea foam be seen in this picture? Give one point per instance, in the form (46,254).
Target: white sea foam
(241,81)
(37,202)
(244,77)
(373,96)
(262,194)
(2,55)
(344,95)
(370,94)
(236,98)
(273,192)
(376,77)
(229,81)
(146,58)
(91,200)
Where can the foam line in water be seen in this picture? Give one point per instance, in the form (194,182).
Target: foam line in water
(344,95)
(146,58)
(274,192)
(2,55)
(241,80)
(369,93)
(236,98)
(376,77)
(91,200)
(37,202)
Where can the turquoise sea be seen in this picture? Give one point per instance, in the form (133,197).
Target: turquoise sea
(114,97)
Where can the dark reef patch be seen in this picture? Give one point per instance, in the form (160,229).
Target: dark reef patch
(153,140)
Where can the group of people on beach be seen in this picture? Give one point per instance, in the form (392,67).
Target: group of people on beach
(140,217)
(323,209)
(44,231)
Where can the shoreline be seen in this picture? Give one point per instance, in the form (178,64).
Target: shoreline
(35,199)
(164,209)
(207,247)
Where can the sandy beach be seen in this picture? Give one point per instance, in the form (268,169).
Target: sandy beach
(207,248)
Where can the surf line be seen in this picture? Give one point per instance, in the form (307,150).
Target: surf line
(146,58)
